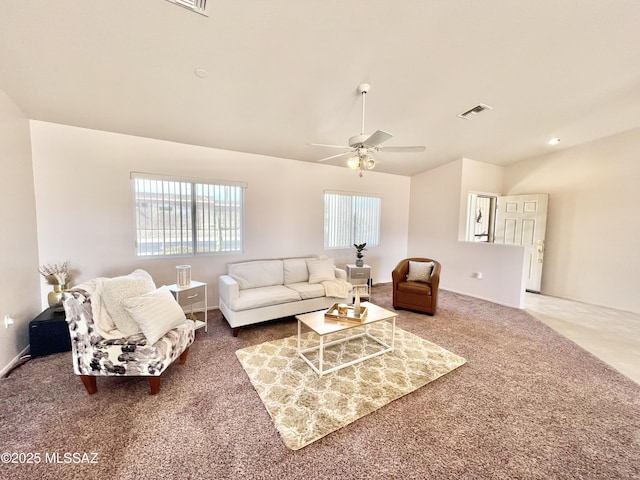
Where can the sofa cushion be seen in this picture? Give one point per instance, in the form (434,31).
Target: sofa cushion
(295,270)
(417,288)
(320,269)
(308,290)
(156,313)
(263,273)
(262,297)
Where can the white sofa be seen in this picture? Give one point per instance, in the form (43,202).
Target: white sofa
(257,291)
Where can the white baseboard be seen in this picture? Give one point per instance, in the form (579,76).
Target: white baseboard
(13,363)
(482,298)
(470,295)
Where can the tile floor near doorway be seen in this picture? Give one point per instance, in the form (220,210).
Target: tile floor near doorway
(611,335)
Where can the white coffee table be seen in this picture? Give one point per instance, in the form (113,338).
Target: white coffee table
(323,328)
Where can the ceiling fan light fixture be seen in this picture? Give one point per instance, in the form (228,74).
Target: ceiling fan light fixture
(370,164)
(354,163)
(361,146)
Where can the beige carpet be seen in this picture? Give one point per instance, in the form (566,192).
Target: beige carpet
(305,407)
(528,404)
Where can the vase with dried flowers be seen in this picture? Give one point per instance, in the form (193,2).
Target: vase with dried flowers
(58,276)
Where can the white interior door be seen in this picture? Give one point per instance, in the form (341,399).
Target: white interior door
(522,220)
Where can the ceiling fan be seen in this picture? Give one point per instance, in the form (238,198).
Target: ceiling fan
(361,147)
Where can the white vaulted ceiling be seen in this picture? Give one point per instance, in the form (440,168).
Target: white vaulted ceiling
(283,74)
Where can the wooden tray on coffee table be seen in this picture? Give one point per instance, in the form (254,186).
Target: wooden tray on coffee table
(333,315)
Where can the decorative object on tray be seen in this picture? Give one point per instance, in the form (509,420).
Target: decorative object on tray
(334,314)
(184,275)
(359,249)
(59,277)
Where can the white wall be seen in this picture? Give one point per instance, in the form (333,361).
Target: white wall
(593,227)
(19,281)
(434,224)
(84,200)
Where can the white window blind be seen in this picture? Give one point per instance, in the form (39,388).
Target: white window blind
(351,218)
(219,218)
(186,217)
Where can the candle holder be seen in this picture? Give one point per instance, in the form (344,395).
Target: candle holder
(184,275)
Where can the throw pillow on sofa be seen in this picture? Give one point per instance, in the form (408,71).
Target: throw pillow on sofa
(321,269)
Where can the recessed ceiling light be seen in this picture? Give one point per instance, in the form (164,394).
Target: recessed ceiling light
(554,141)
(201,73)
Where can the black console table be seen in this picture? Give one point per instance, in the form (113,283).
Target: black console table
(49,333)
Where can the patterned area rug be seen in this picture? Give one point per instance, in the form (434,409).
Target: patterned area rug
(305,407)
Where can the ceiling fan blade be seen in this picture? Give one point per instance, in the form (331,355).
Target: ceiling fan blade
(377,138)
(401,149)
(335,156)
(328,146)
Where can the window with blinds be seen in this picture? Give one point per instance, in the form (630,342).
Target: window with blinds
(177,217)
(351,218)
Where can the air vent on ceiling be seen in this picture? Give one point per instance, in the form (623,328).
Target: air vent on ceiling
(198,6)
(474,111)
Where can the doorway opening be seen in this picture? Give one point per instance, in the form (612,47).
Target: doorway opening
(481,220)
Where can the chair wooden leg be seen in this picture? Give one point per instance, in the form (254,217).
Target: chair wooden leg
(235,331)
(183,356)
(154,383)
(89,383)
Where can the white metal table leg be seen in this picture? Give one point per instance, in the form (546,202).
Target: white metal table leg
(321,356)
(317,326)
(393,333)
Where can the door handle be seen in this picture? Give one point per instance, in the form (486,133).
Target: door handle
(540,250)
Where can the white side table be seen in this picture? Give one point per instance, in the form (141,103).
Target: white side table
(360,278)
(194,293)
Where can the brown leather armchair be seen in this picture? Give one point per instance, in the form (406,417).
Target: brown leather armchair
(415,295)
